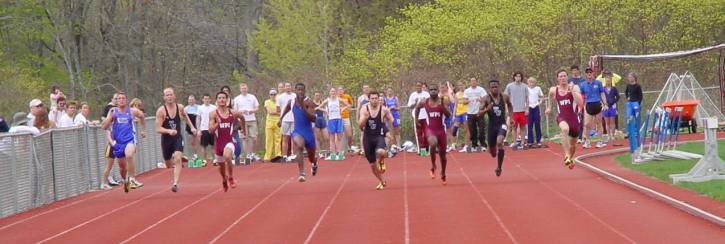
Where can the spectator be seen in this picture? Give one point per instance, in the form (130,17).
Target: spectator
(192,110)
(633,93)
(392,102)
(518,93)
(248,105)
(272,131)
(108,179)
(20,124)
(345,114)
(473,96)
(287,122)
(595,102)
(206,139)
(82,117)
(41,120)
(612,94)
(55,93)
(576,77)
(36,106)
(362,100)
(460,115)
(66,119)
(418,96)
(59,111)
(4,125)
(534,119)
(320,124)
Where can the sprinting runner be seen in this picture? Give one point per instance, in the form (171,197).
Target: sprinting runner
(333,106)
(221,124)
(566,96)
(435,132)
(392,102)
(303,137)
(123,146)
(168,124)
(321,131)
(497,106)
(192,109)
(372,122)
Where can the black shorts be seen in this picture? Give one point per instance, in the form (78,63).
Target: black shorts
(207,139)
(371,144)
(593,108)
(109,152)
(495,130)
(192,117)
(169,145)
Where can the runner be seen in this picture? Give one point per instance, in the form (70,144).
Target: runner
(123,138)
(497,106)
(333,106)
(168,124)
(372,122)
(206,138)
(565,96)
(435,133)
(221,125)
(303,111)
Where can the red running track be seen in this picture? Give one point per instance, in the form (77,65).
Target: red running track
(535,200)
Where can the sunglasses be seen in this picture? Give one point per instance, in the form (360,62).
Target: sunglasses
(39,105)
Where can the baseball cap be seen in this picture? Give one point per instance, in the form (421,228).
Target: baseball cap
(588,69)
(35,103)
(273,92)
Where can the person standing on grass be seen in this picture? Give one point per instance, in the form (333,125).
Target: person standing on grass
(373,118)
(272,135)
(303,110)
(460,116)
(168,124)
(473,97)
(221,124)
(192,109)
(435,133)
(566,97)
(518,93)
(612,94)
(416,98)
(596,102)
(497,106)
(248,105)
(321,132)
(634,96)
(123,145)
(534,119)
(333,106)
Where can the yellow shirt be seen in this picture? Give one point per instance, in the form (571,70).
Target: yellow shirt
(270,104)
(460,107)
(346,112)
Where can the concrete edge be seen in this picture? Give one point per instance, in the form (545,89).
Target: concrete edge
(648,191)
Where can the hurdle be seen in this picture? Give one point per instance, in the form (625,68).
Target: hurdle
(672,147)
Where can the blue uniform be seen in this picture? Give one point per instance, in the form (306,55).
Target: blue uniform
(303,125)
(390,103)
(122,132)
(592,91)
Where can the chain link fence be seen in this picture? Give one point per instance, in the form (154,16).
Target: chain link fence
(61,163)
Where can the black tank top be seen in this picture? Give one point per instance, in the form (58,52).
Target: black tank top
(172,124)
(375,126)
(497,113)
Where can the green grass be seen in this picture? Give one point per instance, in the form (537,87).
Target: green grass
(661,170)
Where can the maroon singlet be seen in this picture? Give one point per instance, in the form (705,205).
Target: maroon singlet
(567,113)
(223,133)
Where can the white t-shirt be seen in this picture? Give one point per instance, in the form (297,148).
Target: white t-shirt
(64,121)
(204,111)
(333,109)
(535,95)
(55,115)
(79,120)
(282,101)
(417,97)
(474,96)
(247,102)
(24,128)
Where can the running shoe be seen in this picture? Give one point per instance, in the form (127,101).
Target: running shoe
(432,173)
(443,180)
(112,181)
(380,186)
(105,187)
(385,183)
(232,182)
(175,188)
(225,186)
(498,172)
(136,183)
(600,144)
(126,185)
(586,144)
(291,157)
(450,148)
(568,162)
(314,169)
(301,178)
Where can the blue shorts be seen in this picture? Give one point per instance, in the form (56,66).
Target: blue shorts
(320,123)
(448,121)
(309,138)
(335,126)
(610,112)
(119,150)
(396,118)
(461,118)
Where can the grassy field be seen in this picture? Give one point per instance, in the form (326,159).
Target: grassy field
(662,170)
